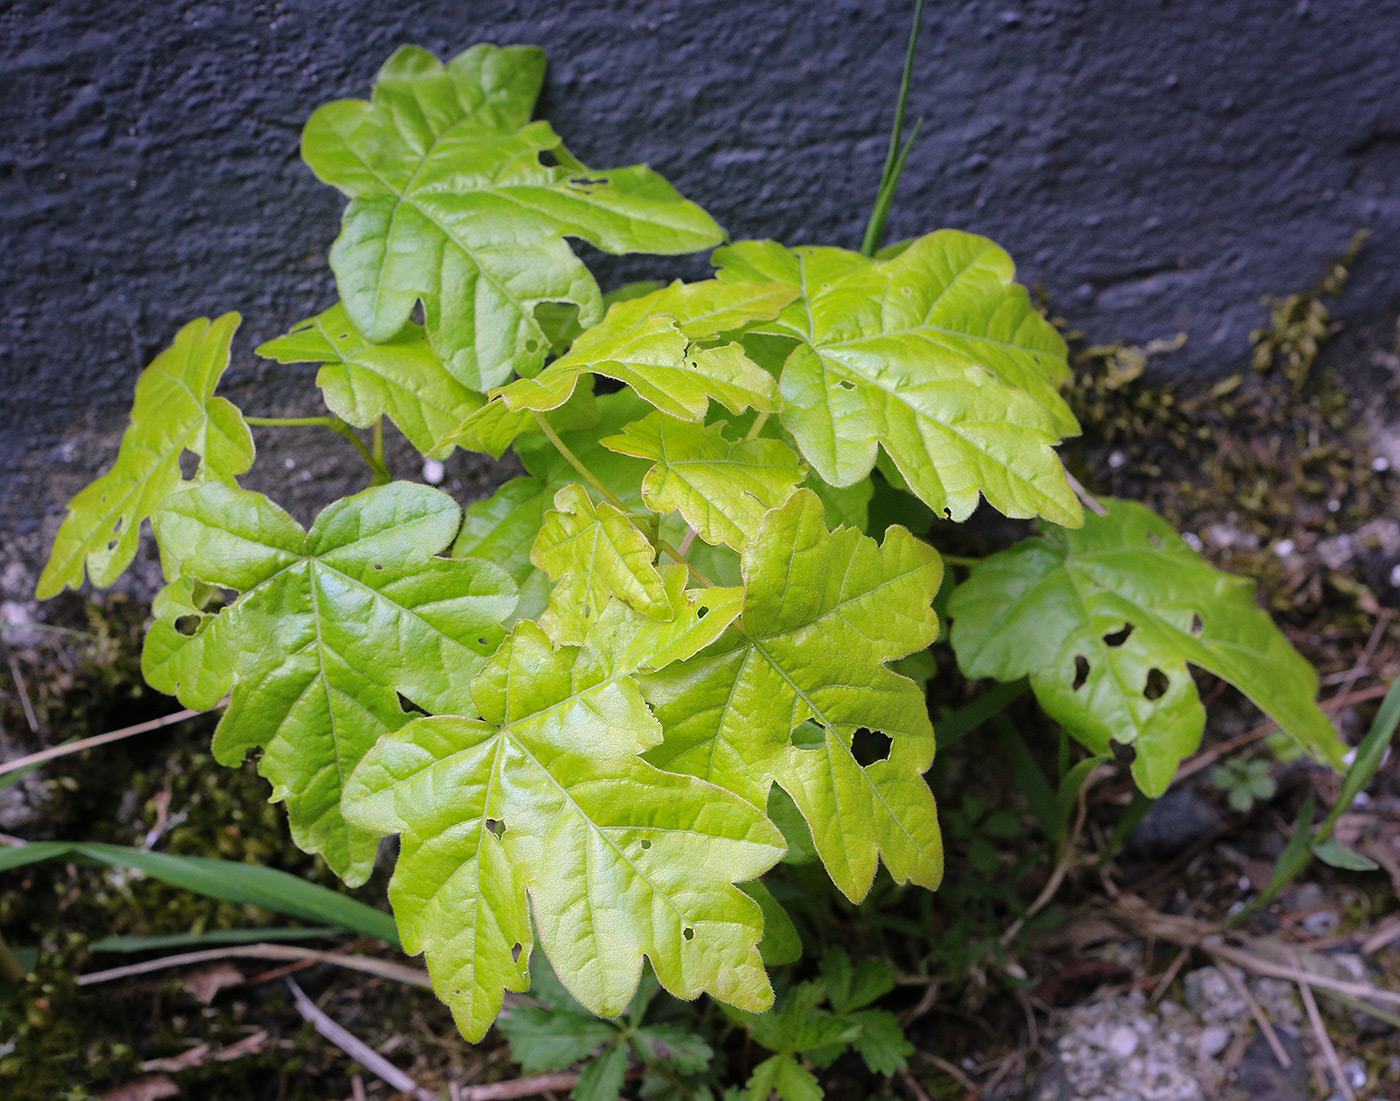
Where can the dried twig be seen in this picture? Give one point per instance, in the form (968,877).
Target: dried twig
(1323,1039)
(1262,965)
(198,1056)
(1363,662)
(519,1087)
(383,968)
(1388,933)
(1084,495)
(96,740)
(913,1084)
(29,716)
(1257,1012)
(356,1048)
(951,1069)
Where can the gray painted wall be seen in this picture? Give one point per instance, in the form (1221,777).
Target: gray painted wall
(1157,165)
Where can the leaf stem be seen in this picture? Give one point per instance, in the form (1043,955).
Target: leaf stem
(290,422)
(899,149)
(573,460)
(757,426)
(377,449)
(1085,496)
(960,560)
(666,548)
(341,428)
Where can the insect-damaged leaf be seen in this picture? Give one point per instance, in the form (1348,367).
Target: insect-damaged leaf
(823,613)
(937,356)
(175,411)
(401,378)
(1104,620)
(331,626)
(451,206)
(544,795)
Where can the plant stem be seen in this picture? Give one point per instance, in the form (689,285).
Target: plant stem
(290,422)
(757,426)
(960,560)
(573,460)
(666,548)
(894,159)
(340,428)
(377,449)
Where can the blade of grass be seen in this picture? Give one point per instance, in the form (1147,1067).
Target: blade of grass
(231,881)
(131,945)
(970,716)
(899,149)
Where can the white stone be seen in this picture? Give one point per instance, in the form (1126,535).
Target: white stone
(1123,1042)
(433,471)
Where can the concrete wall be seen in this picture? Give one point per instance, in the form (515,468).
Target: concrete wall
(1157,165)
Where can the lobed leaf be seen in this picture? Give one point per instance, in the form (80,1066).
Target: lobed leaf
(330,628)
(650,352)
(823,613)
(401,378)
(543,795)
(452,206)
(175,411)
(1105,620)
(593,552)
(934,355)
(722,488)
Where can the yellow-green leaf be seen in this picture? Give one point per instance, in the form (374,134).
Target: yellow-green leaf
(543,787)
(330,628)
(175,411)
(401,378)
(1105,620)
(452,206)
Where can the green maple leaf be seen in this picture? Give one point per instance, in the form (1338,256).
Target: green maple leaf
(544,795)
(451,206)
(362,380)
(722,488)
(823,613)
(937,356)
(503,527)
(594,552)
(175,411)
(330,627)
(1092,615)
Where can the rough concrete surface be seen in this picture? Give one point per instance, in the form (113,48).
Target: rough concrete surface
(1157,165)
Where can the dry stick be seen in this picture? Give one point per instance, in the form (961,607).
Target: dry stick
(519,1087)
(1062,866)
(1387,934)
(1261,965)
(1169,976)
(29,716)
(1209,756)
(1357,670)
(1324,1040)
(1257,1012)
(1084,495)
(356,1048)
(913,1084)
(950,1069)
(96,740)
(383,968)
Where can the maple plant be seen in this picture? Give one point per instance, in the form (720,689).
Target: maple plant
(587,705)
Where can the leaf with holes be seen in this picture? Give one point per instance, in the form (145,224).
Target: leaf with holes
(723,488)
(540,793)
(452,206)
(823,613)
(1105,620)
(401,378)
(175,411)
(937,356)
(331,626)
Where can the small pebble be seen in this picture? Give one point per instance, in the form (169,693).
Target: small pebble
(1123,1042)
(1213,1041)
(433,471)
